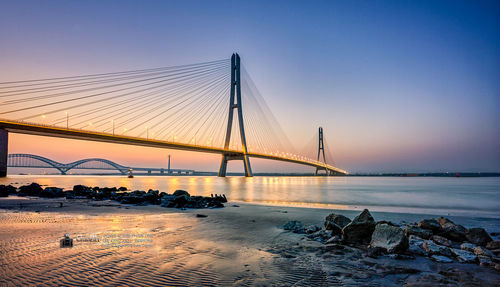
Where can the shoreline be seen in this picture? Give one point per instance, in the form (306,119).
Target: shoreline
(240,244)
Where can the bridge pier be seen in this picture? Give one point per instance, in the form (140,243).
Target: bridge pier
(228,157)
(4,152)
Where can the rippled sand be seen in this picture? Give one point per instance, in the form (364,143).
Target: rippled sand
(233,246)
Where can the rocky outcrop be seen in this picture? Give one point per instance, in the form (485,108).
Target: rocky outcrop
(478,236)
(182,199)
(464,256)
(391,238)
(335,223)
(416,245)
(467,246)
(441,240)
(493,245)
(52,192)
(451,230)
(432,248)
(417,231)
(479,250)
(430,224)
(360,229)
(5,190)
(33,189)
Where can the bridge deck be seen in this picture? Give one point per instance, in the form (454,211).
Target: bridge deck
(54,131)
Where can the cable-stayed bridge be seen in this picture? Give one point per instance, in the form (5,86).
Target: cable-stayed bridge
(211,107)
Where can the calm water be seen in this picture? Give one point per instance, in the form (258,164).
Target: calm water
(478,197)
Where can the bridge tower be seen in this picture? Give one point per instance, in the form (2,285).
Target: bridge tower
(321,152)
(235,103)
(4,150)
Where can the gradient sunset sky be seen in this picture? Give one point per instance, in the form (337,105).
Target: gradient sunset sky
(396,85)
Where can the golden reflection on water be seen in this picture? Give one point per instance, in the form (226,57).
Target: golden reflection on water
(338,192)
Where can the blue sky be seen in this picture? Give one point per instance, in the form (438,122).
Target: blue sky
(397,85)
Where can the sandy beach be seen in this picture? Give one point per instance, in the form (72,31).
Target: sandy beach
(239,245)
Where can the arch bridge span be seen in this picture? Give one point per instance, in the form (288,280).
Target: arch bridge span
(36,161)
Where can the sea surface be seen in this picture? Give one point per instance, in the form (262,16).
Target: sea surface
(470,197)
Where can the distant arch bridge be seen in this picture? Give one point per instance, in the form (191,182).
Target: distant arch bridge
(36,161)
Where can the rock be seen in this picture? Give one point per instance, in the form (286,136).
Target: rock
(320,236)
(333,227)
(464,256)
(337,219)
(311,229)
(415,230)
(479,250)
(134,197)
(167,200)
(335,223)
(441,240)
(468,246)
(441,259)
(52,192)
(416,245)
(375,252)
(33,189)
(201,215)
(391,238)
(122,188)
(430,224)
(360,229)
(493,245)
(5,190)
(180,192)
(334,239)
(484,261)
(294,226)
(435,249)
(478,236)
(451,230)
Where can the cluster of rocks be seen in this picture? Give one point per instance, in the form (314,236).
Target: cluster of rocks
(440,239)
(179,199)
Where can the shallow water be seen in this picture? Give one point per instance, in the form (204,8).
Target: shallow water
(476,197)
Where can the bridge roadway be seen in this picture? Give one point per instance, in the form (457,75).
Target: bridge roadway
(54,131)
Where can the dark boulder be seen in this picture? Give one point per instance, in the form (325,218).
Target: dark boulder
(417,231)
(134,197)
(432,248)
(5,190)
(52,192)
(33,189)
(338,219)
(451,230)
(441,240)
(122,188)
(180,192)
(335,223)
(478,236)
(390,238)
(430,224)
(360,229)
(493,245)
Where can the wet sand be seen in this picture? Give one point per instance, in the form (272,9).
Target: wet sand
(232,246)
